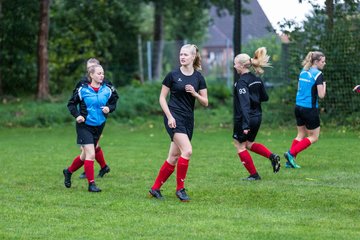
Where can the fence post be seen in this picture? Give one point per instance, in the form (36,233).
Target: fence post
(148,55)
(141,66)
(228,81)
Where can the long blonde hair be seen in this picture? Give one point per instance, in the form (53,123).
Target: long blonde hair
(194,51)
(258,62)
(310,58)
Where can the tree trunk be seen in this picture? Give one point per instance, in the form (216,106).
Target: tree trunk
(237,32)
(43,71)
(158,40)
(329,4)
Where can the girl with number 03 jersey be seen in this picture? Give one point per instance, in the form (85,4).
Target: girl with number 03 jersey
(185,85)
(249,93)
(311,87)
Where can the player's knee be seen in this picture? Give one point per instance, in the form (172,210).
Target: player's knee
(187,153)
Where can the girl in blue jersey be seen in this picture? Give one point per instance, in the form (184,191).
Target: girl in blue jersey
(311,87)
(99,155)
(249,93)
(185,85)
(89,106)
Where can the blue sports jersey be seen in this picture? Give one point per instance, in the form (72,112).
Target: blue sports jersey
(88,103)
(307,95)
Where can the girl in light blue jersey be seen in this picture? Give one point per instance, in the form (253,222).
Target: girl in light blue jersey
(311,87)
(90,107)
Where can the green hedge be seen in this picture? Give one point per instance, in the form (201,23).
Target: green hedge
(139,103)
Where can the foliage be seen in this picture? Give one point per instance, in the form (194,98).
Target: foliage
(18,39)
(341,71)
(106,30)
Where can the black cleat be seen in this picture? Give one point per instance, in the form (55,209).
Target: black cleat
(181,194)
(93,188)
(275,162)
(155,193)
(82,176)
(253,177)
(104,170)
(67,178)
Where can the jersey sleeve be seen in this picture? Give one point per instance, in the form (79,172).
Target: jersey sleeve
(202,82)
(244,103)
(319,79)
(168,80)
(112,102)
(73,103)
(262,93)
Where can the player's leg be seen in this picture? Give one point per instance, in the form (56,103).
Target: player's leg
(165,171)
(183,143)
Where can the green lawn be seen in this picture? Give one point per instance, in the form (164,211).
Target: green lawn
(318,201)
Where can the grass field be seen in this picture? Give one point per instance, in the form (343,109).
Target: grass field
(318,201)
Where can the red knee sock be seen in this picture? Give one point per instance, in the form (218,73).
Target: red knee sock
(260,149)
(165,171)
(76,164)
(182,168)
(247,162)
(89,170)
(294,142)
(301,146)
(99,156)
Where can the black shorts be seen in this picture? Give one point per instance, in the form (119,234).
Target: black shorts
(184,124)
(308,117)
(87,134)
(238,132)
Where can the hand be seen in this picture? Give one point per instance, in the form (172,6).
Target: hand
(246,131)
(105,109)
(190,89)
(357,89)
(80,119)
(171,122)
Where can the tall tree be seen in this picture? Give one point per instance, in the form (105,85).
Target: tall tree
(237,31)
(43,36)
(158,39)
(329,4)
(1,88)
(329,8)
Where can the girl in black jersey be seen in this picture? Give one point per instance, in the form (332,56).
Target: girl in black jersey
(185,85)
(249,92)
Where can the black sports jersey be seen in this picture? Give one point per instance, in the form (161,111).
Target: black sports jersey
(249,92)
(181,101)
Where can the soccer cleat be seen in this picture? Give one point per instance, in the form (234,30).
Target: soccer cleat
(104,170)
(291,159)
(288,165)
(275,162)
(182,195)
(67,178)
(93,187)
(253,177)
(82,176)
(155,193)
